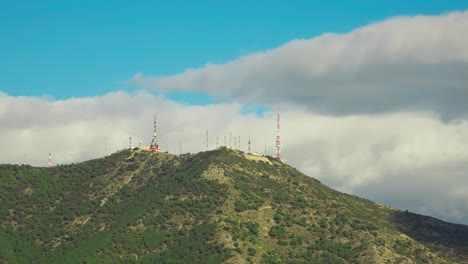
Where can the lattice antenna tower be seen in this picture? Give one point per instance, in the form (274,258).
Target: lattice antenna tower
(278,138)
(154,141)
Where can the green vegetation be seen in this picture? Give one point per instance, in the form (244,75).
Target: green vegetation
(211,207)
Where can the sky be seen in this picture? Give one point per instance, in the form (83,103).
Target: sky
(372,93)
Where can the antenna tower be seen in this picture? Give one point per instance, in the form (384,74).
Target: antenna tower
(249,150)
(154,141)
(49,163)
(278,139)
(207,140)
(130,143)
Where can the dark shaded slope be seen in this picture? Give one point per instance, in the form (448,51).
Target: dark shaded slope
(434,232)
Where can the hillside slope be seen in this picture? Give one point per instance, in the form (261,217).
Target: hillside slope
(211,207)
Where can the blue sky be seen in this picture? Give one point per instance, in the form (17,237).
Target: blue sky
(66,49)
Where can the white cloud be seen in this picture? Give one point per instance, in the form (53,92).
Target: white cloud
(400,64)
(407,160)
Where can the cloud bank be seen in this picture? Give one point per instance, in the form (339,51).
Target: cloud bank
(401,64)
(407,160)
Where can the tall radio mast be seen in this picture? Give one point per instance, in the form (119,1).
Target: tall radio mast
(154,141)
(278,139)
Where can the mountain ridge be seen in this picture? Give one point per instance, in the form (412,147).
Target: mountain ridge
(216,206)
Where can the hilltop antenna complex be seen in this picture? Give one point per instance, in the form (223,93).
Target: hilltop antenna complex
(154,141)
(278,139)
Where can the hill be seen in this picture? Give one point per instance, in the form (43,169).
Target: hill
(211,207)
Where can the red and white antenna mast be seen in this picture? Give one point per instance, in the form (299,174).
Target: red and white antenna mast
(49,163)
(278,139)
(154,141)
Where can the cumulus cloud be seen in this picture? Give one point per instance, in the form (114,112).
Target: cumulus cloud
(400,64)
(408,160)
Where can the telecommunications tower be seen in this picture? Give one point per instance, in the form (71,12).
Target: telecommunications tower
(154,141)
(278,139)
